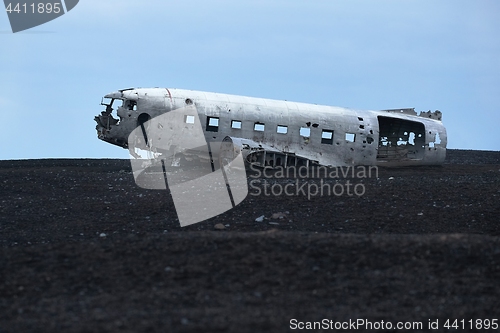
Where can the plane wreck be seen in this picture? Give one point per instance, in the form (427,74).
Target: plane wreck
(272,133)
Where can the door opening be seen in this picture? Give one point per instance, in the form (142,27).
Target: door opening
(400,139)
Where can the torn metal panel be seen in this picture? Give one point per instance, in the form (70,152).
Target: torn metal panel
(272,133)
(436,115)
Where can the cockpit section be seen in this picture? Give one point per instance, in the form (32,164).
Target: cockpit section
(127,109)
(105,120)
(120,106)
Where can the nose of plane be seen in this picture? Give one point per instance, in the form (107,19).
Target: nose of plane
(105,120)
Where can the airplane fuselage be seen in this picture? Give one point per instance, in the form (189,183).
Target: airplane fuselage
(333,136)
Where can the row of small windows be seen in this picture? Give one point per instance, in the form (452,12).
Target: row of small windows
(326,135)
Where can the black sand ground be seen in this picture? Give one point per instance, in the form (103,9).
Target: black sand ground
(83,249)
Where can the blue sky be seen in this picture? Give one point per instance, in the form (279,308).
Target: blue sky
(362,54)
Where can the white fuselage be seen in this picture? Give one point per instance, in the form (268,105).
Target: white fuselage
(329,135)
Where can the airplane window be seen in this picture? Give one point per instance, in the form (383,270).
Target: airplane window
(212,124)
(282,129)
(131,105)
(117,103)
(106,101)
(350,137)
(189,120)
(327,137)
(305,132)
(259,127)
(236,124)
